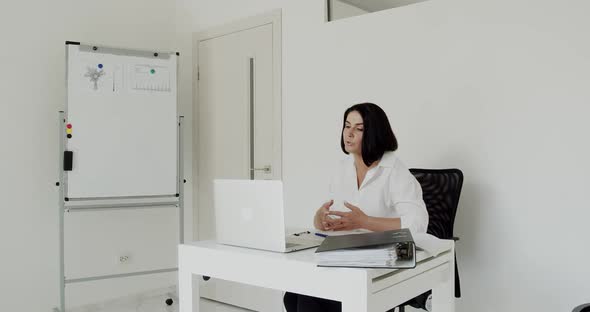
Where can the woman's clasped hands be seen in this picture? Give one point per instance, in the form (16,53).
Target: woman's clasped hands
(331,220)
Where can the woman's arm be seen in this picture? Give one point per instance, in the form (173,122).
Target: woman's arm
(408,202)
(382,224)
(357,219)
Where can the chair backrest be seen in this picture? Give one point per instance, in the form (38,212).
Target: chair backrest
(441,189)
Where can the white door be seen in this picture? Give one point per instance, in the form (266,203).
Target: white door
(238,133)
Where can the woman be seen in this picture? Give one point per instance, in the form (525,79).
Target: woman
(377,190)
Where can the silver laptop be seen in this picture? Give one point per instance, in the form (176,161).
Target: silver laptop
(250,213)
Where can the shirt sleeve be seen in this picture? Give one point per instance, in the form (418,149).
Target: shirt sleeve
(408,201)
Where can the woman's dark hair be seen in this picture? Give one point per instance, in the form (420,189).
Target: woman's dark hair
(377,134)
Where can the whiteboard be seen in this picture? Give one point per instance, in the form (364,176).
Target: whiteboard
(122,109)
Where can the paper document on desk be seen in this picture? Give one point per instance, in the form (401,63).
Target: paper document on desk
(432,245)
(389,249)
(363,258)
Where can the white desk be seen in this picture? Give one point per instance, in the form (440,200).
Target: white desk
(359,290)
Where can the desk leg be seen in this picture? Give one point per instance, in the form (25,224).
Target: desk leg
(354,305)
(443,295)
(186,291)
(348,306)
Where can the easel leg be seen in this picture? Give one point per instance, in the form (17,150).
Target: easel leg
(354,305)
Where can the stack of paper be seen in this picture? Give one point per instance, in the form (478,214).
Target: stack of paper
(359,257)
(430,244)
(388,249)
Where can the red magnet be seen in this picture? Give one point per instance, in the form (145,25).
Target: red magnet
(69,126)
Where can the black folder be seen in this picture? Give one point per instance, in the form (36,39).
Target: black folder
(370,239)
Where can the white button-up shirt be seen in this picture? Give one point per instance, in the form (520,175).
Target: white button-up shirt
(389,190)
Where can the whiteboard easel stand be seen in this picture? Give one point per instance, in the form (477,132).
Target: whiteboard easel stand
(179,202)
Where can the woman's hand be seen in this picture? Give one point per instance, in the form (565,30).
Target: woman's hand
(322,219)
(355,219)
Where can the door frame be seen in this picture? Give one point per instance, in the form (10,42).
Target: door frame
(274,18)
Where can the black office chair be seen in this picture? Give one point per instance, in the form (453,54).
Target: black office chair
(441,189)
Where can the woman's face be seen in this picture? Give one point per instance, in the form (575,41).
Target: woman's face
(352,134)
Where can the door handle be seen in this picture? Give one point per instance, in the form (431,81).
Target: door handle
(267,169)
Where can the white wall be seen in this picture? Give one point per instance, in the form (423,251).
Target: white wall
(496,88)
(32,58)
(344,10)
